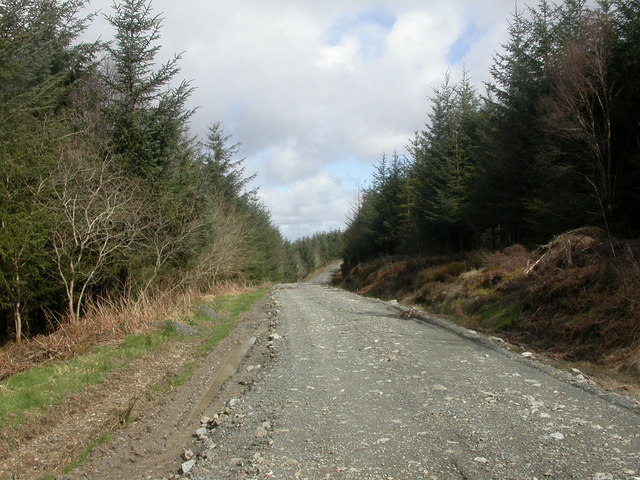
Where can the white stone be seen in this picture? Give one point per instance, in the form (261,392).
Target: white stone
(527,354)
(557,436)
(260,432)
(186,467)
(481,460)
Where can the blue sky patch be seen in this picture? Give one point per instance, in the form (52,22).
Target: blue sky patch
(369,27)
(462,45)
(353,172)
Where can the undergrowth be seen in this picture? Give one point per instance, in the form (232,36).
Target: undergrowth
(28,395)
(576,298)
(230,306)
(82,458)
(215,335)
(235,305)
(31,391)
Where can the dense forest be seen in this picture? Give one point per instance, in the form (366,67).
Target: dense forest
(104,191)
(551,145)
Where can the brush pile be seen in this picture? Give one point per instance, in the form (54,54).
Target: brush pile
(582,298)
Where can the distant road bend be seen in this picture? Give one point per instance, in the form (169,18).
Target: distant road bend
(357,392)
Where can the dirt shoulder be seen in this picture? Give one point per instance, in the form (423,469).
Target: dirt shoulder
(146,422)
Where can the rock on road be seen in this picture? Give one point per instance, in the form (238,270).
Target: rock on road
(356,392)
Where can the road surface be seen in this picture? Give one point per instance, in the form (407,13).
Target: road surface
(355,391)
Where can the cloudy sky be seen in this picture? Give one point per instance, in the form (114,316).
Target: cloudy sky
(317,90)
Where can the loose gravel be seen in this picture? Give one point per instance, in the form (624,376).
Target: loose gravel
(356,391)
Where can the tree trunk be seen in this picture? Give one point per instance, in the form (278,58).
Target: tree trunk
(17,318)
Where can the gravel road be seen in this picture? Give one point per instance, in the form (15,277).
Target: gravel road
(355,391)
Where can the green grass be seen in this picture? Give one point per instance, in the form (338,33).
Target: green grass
(31,392)
(235,305)
(215,335)
(86,453)
(231,307)
(82,458)
(174,381)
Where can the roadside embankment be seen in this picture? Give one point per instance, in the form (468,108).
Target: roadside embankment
(575,299)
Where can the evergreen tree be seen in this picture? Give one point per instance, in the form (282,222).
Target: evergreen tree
(506,164)
(444,165)
(359,237)
(38,67)
(148,119)
(315,251)
(624,71)
(223,172)
(514,193)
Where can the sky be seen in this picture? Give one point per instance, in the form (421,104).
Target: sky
(316,91)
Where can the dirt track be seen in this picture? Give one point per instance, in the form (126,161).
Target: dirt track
(346,387)
(358,392)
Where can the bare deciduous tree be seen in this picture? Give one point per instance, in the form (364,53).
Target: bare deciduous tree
(163,243)
(229,251)
(96,214)
(579,110)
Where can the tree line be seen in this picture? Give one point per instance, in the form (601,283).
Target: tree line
(315,251)
(104,191)
(552,144)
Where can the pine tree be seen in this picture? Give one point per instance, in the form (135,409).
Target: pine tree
(624,71)
(387,225)
(515,90)
(223,171)
(39,64)
(444,166)
(148,118)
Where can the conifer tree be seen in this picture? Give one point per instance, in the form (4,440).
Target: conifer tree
(224,173)
(444,165)
(148,118)
(38,66)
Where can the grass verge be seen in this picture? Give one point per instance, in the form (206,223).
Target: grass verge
(82,458)
(31,392)
(234,305)
(230,306)
(26,397)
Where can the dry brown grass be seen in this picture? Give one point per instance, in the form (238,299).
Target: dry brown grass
(583,298)
(576,298)
(106,322)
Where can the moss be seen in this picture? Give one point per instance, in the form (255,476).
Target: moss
(500,315)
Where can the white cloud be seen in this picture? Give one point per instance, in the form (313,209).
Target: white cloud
(305,85)
(321,200)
